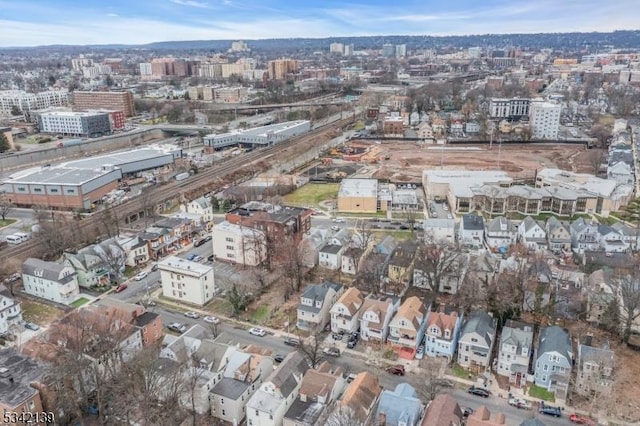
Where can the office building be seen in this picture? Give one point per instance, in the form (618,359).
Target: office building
(117,101)
(336,48)
(186,281)
(510,109)
(388,50)
(85,124)
(280,69)
(401,50)
(545,120)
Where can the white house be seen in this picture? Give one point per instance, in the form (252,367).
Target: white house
(10,312)
(344,313)
(268,405)
(57,282)
(330,256)
(406,329)
(135,248)
(500,233)
(375,315)
(612,240)
(200,206)
(532,234)
(310,245)
(514,351)
(584,236)
(629,235)
(186,281)
(441,335)
(440,229)
(315,304)
(476,340)
(471,231)
(239,244)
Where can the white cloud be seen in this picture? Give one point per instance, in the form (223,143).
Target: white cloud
(112,15)
(191,3)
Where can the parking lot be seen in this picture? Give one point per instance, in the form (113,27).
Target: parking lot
(439,210)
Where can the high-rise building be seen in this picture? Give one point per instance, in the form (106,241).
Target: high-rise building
(511,109)
(348,50)
(79,63)
(401,50)
(545,120)
(336,48)
(474,52)
(145,68)
(31,101)
(388,50)
(279,69)
(119,101)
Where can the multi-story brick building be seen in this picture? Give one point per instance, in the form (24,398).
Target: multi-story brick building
(279,69)
(118,101)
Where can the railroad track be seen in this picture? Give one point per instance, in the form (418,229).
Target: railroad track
(160,194)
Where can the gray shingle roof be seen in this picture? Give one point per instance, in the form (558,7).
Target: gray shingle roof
(472,222)
(50,270)
(555,339)
(482,323)
(290,373)
(230,388)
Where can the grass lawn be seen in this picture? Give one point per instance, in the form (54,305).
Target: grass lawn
(359,125)
(541,393)
(460,372)
(398,235)
(312,194)
(39,313)
(6,222)
(79,302)
(376,214)
(219,306)
(260,314)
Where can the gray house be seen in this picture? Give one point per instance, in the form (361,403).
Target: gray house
(471,231)
(315,304)
(400,407)
(554,358)
(595,369)
(516,344)
(476,341)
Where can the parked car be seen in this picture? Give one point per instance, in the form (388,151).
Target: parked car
(211,320)
(291,341)
(550,410)
(332,351)
(339,220)
(397,370)
(335,228)
(257,331)
(278,358)
(337,336)
(31,326)
(191,257)
(199,242)
(198,259)
(420,352)
(211,258)
(177,327)
(154,267)
(352,342)
(192,315)
(519,403)
(474,390)
(121,287)
(582,420)
(466,411)
(140,276)
(351,377)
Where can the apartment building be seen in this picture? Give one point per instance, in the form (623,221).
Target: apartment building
(67,123)
(119,101)
(545,120)
(239,244)
(230,95)
(186,281)
(57,282)
(280,69)
(27,102)
(510,109)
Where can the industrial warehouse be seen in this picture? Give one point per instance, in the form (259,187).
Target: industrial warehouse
(260,136)
(79,184)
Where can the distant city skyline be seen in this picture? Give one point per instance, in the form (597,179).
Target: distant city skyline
(38,22)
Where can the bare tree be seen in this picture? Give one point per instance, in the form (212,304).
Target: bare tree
(626,288)
(238,298)
(110,221)
(364,237)
(344,416)
(113,255)
(5,207)
(411,216)
(427,381)
(437,260)
(54,235)
(311,347)
(597,157)
(291,264)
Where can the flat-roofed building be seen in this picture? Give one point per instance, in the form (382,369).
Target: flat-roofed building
(361,196)
(119,101)
(258,136)
(67,123)
(239,244)
(186,281)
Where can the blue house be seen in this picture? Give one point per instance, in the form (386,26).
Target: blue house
(554,358)
(400,407)
(441,336)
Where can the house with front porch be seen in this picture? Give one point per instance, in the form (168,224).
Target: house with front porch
(135,248)
(375,315)
(200,206)
(630,234)
(532,234)
(500,234)
(514,352)
(180,229)
(471,231)
(553,361)
(611,240)
(53,281)
(558,236)
(441,335)
(91,270)
(315,304)
(345,312)
(406,329)
(330,256)
(584,236)
(476,341)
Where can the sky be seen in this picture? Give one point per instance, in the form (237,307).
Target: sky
(81,22)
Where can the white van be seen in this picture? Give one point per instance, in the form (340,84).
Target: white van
(13,239)
(22,236)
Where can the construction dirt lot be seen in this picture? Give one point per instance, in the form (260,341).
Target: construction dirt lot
(404,161)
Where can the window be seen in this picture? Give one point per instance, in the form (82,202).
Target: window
(221,401)
(223,413)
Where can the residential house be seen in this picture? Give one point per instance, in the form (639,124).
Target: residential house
(532,234)
(242,375)
(401,262)
(500,234)
(359,399)
(443,230)
(386,246)
(350,260)
(200,206)
(320,388)
(443,328)
(186,281)
(600,296)
(482,417)
(180,230)
(182,348)
(309,247)
(136,250)
(91,269)
(448,275)
(113,255)
(57,282)
(476,341)
(629,234)
(584,236)
(345,312)
(149,323)
(611,240)
(315,304)
(471,231)
(406,329)
(21,380)
(553,362)
(399,407)
(10,311)
(514,352)
(268,405)
(375,316)
(238,244)
(558,236)
(330,256)
(443,410)
(595,369)
(155,238)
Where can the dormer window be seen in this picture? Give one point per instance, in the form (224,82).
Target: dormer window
(447,334)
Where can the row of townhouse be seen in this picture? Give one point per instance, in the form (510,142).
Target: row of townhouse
(557,236)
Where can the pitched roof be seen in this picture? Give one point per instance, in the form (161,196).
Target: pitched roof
(472,222)
(443,321)
(482,323)
(361,394)
(403,254)
(500,224)
(517,334)
(380,307)
(320,382)
(50,270)
(555,339)
(317,292)
(352,299)
(290,372)
(400,405)
(443,410)
(413,310)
